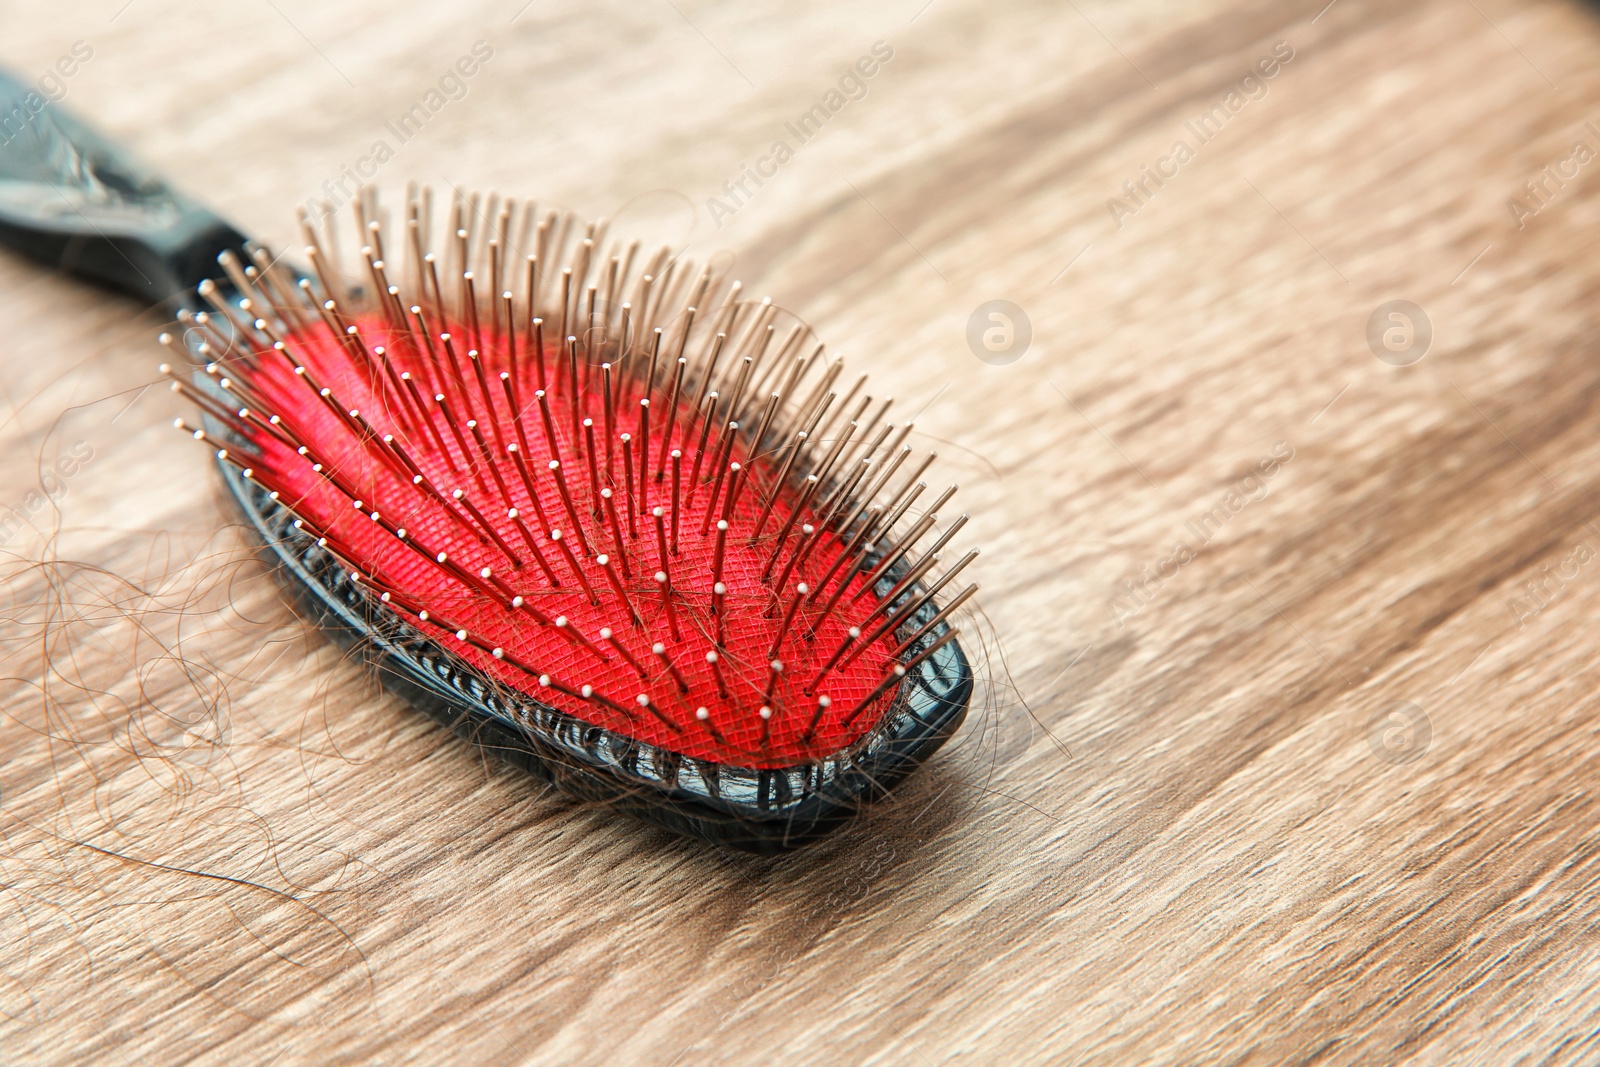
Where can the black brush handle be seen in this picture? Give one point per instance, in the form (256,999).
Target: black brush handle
(74,200)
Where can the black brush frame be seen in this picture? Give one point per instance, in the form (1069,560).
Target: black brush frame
(125,227)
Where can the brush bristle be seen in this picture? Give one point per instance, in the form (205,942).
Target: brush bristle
(654,513)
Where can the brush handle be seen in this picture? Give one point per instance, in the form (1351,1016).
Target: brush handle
(73,199)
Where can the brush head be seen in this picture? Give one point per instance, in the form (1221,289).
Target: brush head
(621,493)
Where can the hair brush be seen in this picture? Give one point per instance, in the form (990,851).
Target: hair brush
(585,505)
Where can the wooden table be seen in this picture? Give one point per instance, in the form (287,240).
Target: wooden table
(1287,742)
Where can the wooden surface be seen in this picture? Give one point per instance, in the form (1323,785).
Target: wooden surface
(1167,834)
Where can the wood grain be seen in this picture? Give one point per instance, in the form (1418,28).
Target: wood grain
(1167,834)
